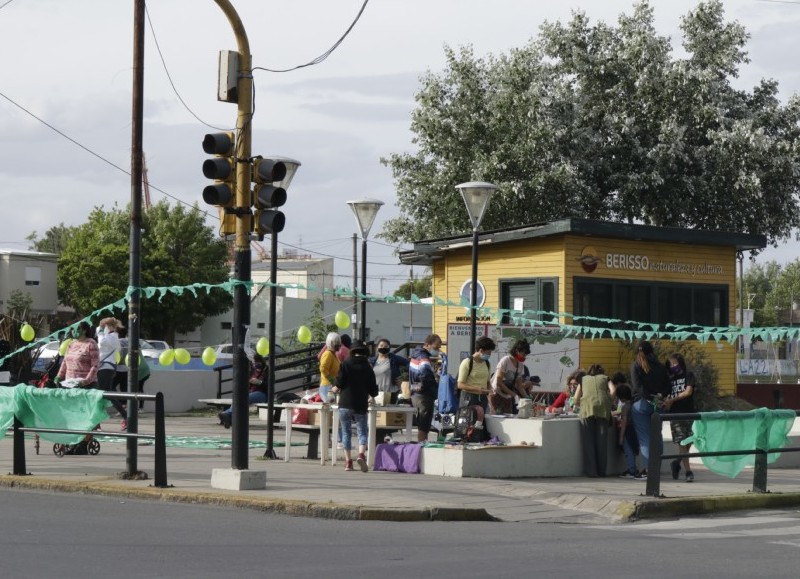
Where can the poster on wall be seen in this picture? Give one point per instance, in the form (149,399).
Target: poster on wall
(553,355)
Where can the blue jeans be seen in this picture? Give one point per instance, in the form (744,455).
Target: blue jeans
(630,446)
(640,414)
(324,392)
(255,397)
(346,418)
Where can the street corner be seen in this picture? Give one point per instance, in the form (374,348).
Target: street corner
(679,506)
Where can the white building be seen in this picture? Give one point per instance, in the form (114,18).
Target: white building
(31,272)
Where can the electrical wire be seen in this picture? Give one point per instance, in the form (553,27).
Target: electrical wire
(325,54)
(3,5)
(169,77)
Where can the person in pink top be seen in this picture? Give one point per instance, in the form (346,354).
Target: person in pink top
(82,359)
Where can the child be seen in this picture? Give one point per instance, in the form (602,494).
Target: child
(626,435)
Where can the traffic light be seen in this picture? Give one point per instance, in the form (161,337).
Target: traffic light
(267,196)
(221,168)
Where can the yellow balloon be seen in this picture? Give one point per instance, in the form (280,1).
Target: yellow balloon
(342,320)
(209,356)
(182,356)
(127,359)
(166,357)
(262,346)
(27,333)
(117,358)
(303,335)
(62,349)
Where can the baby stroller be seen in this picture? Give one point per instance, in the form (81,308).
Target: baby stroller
(88,445)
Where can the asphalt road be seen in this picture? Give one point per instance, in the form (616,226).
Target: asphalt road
(65,536)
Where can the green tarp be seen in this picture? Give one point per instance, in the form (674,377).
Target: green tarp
(58,408)
(755,429)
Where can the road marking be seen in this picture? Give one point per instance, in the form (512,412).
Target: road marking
(683,524)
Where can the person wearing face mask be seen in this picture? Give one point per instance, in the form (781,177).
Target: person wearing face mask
(509,379)
(329,365)
(680,400)
(108,342)
(424,383)
(473,374)
(388,367)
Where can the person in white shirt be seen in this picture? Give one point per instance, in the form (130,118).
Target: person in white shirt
(108,342)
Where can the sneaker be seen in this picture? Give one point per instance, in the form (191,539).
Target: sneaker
(362,463)
(348,465)
(675,466)
(689,476)
(641,475)
(123,426)
(627,474)
(224,419)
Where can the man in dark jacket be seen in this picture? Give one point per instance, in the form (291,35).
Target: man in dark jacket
(355,385)
(424,383)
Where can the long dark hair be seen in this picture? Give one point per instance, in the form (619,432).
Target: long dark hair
(644,350)
(680,360)
(596,369)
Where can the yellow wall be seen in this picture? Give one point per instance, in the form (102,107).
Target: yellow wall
(560,257)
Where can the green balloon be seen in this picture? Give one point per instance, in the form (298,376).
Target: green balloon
(342,320)
(182,356)
(209,356)
(27,333)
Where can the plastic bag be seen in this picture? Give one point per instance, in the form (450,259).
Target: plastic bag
(299,415)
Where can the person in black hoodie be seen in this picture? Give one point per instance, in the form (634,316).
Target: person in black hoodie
(355,385)
(649,386)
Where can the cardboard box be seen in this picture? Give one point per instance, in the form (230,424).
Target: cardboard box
(390,419)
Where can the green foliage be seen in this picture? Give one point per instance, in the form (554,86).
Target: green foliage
(19,304)
(177,249)
(422,288)
(54,241)
(601,121)
(316,323)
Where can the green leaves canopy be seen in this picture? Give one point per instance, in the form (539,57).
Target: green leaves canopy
(177,249)
(603,122)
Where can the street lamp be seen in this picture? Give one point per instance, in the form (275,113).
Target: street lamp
(291,168)
(365,211)
(476,195)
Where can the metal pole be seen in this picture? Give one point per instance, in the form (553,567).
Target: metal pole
(273,300)
(160,444)
(363,316)
(653,488)
(474,297)
(355,279)
(134,268)
(242,272)
(19,449)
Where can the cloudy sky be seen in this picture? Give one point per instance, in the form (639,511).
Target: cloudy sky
(67,64)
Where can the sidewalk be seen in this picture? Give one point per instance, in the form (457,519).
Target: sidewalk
(304,487)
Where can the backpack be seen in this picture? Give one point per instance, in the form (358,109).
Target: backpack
(465,427)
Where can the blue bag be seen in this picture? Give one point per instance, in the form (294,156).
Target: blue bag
(448,391)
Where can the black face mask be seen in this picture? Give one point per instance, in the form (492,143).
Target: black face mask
(383,350)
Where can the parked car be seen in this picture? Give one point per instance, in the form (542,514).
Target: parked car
(45,355)
(146,347)
(159,345)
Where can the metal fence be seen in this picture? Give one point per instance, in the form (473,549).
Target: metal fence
(656,441)
(158,437)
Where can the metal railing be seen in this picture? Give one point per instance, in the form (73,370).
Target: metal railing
(159,438)
(307,364)
(656,440)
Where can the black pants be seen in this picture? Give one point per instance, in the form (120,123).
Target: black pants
(594,436)
(105,380)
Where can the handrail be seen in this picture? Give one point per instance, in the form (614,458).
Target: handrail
(653,488)
(159,437)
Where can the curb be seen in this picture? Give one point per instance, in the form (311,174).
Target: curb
(295,508)
(662,508)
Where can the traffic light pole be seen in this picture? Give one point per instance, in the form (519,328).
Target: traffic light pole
(242,261)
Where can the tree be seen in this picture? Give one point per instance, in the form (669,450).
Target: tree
(420,287)
(603,122)
(178,249)
(54,241)
(759,282)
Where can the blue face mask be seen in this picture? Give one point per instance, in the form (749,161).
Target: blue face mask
(434,352)
(485,357)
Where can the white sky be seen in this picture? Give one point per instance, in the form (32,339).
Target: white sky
(69,63)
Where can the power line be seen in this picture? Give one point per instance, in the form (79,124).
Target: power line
(325,54)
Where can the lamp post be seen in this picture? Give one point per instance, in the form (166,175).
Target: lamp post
(365,211)
(291,168)
(476,195)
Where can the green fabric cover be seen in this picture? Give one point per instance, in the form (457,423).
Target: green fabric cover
(755,429)
(75,409)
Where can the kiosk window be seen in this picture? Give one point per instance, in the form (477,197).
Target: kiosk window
(683,304)
(537,294)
